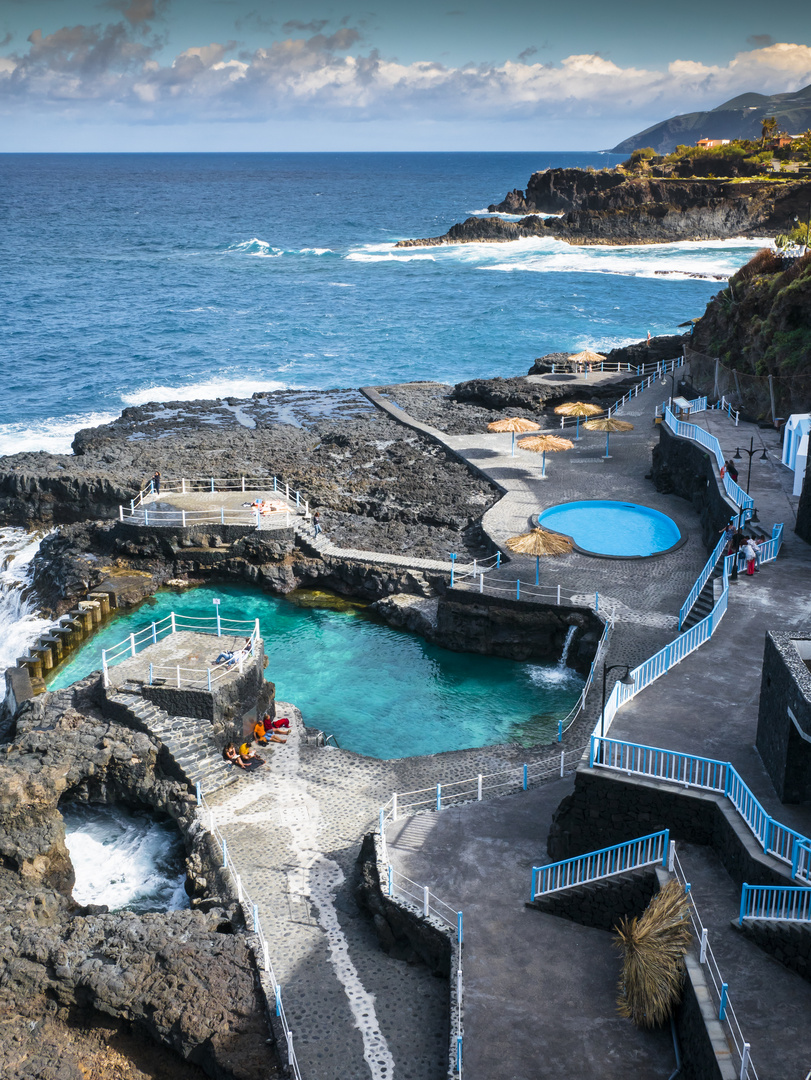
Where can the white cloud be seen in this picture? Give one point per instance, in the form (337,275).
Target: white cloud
(295,76)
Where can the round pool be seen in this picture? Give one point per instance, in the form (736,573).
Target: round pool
(612,529)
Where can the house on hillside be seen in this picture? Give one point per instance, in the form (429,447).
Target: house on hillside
(712,144)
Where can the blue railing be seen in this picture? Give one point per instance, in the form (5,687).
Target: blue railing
(631,855)
(784,903)
(707,774)
(699,435)
(702,580)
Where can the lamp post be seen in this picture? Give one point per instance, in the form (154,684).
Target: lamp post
(626,680)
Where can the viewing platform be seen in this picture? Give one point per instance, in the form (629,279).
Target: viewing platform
(262,503)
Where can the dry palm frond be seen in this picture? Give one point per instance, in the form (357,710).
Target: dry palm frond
(549,443)
(578,408)
(653,965)
(540,542)
(514,423)
(608,423)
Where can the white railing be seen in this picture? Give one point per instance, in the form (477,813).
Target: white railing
(726,406)
(139,513)
(725,1013)
(179,518)
(250,911)
(567,721)
(657,371)
(521,590)
(597,865)
(475,570)
(172,624)
(420,899)
(699,435)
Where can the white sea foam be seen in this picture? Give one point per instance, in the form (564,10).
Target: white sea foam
(54,434)
(210,390)
(510,217)
(317,251)
(20,621)
(259,248)
(123,859)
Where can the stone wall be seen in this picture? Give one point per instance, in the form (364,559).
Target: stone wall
(682,467)
(784,715)
(476,622)
(704,1048)
(225,705)
(609,808)
(602,904)
(788,942)
(803,526)
(137,539)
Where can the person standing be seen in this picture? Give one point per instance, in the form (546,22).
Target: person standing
(156,482)
(316,523)
(750,556)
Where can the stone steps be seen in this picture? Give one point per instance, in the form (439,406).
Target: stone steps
(186,738)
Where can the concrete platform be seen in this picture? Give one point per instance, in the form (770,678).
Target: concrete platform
(188,650)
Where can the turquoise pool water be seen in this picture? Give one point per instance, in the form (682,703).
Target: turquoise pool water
(381,692)
(607,527)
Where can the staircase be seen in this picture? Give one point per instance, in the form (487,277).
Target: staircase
(707,598)
(186,739)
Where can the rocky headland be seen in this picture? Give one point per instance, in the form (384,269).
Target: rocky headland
(615,207)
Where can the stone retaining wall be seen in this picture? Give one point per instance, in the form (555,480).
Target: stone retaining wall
(602,904)
(784,716)
(788,942)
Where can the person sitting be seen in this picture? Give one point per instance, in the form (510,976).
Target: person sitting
(232,757)
(250,758)
(226,658)
(272,727)
(259,734)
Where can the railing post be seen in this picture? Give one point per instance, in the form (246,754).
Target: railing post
(671,856)
(287,491)
(459,1055)
(298,496)
(517,588)
(290,1054)
(132,506)
(722,1008)
(120,512)
(702,952)
(452,557)
(178,676)
(459,927)
(132,644)
(426,901)
(560,731)
(596,602)
(744,1073)
(183,486)
(562,761)
(239,888)
(173,624)
(481,583)
(525,777)
(278,1000)
(154,634)
(558,596)
(150,673)
(390,881)
(224,855)
(255,919)
(498,559)
(222,515)
(199,793)
(394,807)
(105,673)
(183,518)
(208,672)
(212,483)
(257,518)
(439,796)
(381,821)
(479,789)
(243,483)
(666,847)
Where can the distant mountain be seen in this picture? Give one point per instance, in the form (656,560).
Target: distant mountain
(739,118)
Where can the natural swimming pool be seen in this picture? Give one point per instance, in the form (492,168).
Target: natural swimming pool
(610,527)
(382,692)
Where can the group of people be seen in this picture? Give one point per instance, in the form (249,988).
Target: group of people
(265,731)
(729,468)
(747,545)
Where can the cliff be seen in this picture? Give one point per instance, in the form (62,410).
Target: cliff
(612,207)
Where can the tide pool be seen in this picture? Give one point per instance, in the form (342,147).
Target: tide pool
(381,692)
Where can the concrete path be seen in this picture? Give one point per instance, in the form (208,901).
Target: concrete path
(540,992)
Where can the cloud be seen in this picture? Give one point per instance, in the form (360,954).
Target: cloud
(137,12)
(527,53)
(313,27)
(760,41)
(327,76)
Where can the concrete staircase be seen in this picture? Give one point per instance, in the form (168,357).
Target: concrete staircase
(186,739)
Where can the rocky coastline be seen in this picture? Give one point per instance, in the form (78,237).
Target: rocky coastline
(613,207)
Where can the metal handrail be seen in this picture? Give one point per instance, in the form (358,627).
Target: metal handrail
(596,865)
(780,903)
(706,957)
(702,580)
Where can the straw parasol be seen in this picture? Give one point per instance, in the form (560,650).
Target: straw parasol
(542,443)
(587,358)
(540,542)
(608,424)
(654,946)
(513,424)
(578,409)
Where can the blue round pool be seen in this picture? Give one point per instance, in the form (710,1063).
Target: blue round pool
(618,530)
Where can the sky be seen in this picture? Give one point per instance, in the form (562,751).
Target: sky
(306,75)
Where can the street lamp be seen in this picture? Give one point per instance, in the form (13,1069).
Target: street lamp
(751,452)
(626,680)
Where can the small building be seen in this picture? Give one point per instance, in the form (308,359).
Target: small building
(712,144)
(795,447)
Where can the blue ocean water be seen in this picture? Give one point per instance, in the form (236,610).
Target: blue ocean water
(130,278)
(381,692)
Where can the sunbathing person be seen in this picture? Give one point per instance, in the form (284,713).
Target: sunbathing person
(232,757)
(282,724)
(250,758)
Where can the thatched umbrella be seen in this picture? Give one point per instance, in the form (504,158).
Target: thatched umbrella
(540,542)
(513,424)
(653,965)
(578,409)
(587,358)
(608,424)
(542,443)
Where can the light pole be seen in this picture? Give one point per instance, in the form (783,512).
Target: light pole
(626,680)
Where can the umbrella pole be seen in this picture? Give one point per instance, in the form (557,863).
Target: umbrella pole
(513,446)
(543,465)
(537,569)
(577,429)
(607,437)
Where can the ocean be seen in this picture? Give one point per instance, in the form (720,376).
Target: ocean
(155,277)
(143,277)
